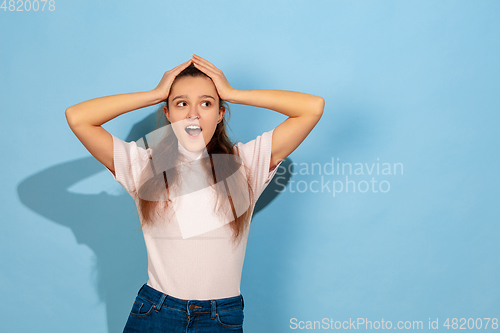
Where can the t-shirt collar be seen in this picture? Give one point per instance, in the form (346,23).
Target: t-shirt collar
(192,155)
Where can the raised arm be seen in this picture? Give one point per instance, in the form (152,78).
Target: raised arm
(86,119)
(303,110)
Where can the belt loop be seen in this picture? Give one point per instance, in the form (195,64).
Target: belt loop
(160,302)
(139,292)
(214,308)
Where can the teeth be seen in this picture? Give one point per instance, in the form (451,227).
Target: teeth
(194,127)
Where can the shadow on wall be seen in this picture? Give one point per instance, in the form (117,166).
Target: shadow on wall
(107,224)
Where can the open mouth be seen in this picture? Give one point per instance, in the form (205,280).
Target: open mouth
(193,130)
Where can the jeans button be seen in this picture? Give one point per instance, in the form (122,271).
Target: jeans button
(191,306)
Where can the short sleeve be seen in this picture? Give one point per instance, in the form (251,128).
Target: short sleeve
(256,155)
(129,160)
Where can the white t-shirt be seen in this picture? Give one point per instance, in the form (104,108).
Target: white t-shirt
(191,254)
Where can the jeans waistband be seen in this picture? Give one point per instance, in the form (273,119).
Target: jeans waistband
(160,299)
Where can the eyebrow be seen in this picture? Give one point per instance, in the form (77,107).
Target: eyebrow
(185,96)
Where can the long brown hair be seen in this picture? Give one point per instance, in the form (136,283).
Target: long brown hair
(222,158)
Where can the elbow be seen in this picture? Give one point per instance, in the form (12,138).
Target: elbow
(319,106)
(67,113)
(70,117)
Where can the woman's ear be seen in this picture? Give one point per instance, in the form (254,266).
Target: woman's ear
(222,110)
(165,110)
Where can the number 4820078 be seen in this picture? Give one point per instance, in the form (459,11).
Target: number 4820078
(28,5)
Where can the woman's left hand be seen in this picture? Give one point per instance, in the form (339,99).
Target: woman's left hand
(224,89)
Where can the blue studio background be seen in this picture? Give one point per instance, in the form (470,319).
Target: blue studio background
(411,92)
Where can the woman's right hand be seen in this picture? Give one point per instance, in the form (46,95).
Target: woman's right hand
(163,88)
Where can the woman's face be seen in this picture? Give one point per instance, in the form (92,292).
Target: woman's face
(193,111)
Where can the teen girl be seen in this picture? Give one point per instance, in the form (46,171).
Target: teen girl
(195,190)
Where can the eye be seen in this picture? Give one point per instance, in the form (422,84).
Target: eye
(207,102)
(180,103)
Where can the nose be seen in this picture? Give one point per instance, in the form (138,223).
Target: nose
(193,113)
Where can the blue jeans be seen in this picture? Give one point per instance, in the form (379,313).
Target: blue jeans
(154,311)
